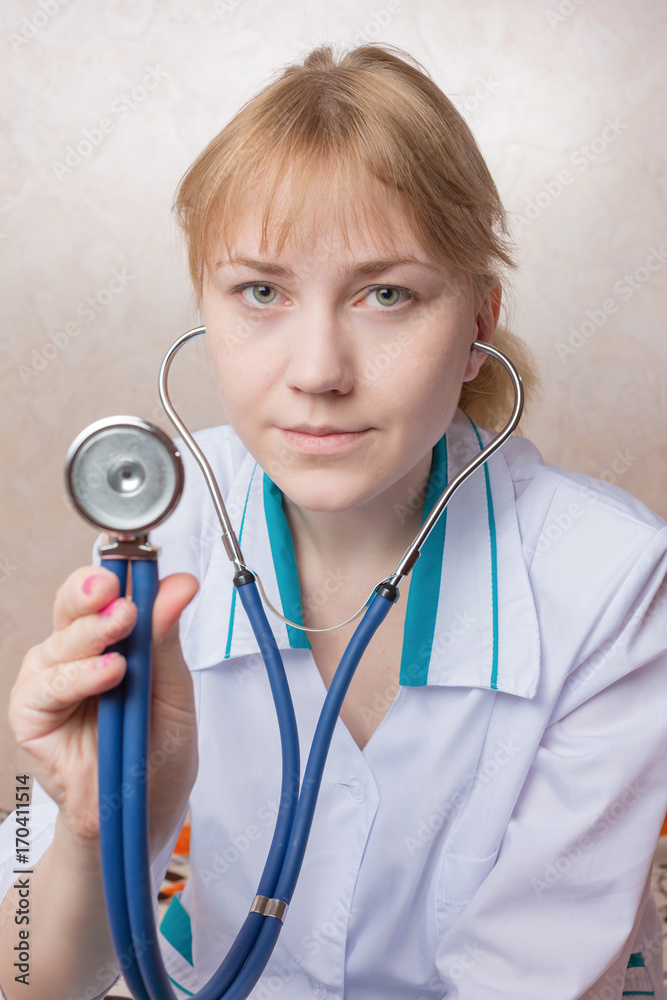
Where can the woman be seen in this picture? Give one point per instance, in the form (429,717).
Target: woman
(494,789)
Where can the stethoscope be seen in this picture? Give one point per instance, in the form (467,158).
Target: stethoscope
(125,476)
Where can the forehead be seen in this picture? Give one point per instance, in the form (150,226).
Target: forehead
(323,216)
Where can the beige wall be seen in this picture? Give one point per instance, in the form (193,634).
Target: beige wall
(553,86)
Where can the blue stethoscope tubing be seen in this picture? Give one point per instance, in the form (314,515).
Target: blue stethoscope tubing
(123,739)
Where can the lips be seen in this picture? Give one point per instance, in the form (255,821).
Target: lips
(323,430)
(323,439)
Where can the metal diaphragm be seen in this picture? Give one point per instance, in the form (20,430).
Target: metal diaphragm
(123,474)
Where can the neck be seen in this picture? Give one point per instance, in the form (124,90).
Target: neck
(366,541)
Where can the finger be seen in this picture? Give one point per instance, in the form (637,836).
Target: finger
(90,634)
(86,636)
(49,698)
(174,595)
(85,591)
(171,672)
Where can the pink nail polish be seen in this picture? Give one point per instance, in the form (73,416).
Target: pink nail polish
(109,609)
(89,582)
(103,661)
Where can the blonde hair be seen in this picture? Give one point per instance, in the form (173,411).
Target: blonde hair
(373,121)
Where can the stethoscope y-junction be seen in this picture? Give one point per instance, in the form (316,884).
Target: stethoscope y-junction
(125,476)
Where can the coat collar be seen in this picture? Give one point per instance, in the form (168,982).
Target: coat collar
(470,619)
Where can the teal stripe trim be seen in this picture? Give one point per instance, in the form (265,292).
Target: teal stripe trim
(424,592)
(637,993)
(284,561)
(636,960)
(494,563)
(230,631)
(177,930)
(189,992)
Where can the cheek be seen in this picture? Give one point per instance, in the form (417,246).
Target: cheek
(235,365)
(247,379)
(426,376)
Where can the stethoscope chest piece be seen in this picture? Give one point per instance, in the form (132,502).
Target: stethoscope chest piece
(123,474)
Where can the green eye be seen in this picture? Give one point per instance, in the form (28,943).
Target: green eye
(388,296)
(263,293)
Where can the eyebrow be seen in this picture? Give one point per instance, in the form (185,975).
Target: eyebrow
(374,266)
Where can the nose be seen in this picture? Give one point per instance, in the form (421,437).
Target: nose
(320,358)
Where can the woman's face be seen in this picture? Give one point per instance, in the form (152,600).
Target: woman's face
(340,368)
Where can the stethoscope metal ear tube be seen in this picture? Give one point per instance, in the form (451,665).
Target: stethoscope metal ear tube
(229,538)
(411,554)
(124,717)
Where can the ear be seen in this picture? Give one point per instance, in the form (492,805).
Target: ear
(486,322)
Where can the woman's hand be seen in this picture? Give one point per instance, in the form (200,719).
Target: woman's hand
(53,711)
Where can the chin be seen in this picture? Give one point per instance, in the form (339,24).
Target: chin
(325,492)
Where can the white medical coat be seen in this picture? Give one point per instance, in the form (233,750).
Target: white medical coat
(494,838)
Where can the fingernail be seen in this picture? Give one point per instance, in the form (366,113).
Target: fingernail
(103,661)
(109,609)
(89,582)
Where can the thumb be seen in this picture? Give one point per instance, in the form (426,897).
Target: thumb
(174,594)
